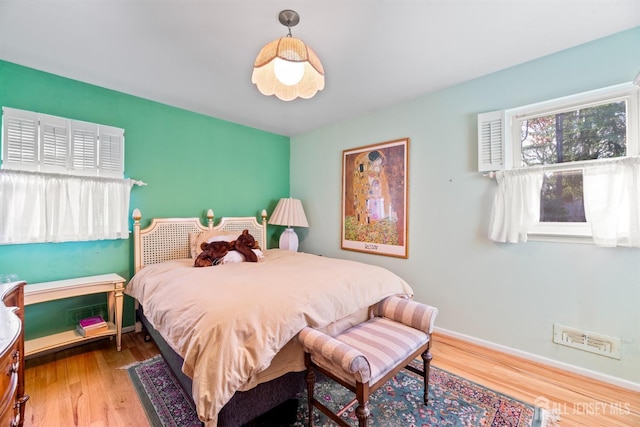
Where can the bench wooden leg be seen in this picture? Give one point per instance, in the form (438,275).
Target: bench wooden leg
(310,377)
(426,365)
(362,411)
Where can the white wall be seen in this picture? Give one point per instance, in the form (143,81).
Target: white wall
(505,294)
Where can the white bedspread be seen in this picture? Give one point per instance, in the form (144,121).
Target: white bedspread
(228,321)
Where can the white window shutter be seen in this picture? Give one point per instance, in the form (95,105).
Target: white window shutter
(54,144)
(19,139)
(84,148)
(44,143)
(111,155)
(491,141)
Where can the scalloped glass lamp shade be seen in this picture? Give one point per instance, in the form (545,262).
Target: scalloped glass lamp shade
(288,69)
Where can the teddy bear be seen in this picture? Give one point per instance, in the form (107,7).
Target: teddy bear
(213,252)
(244,244)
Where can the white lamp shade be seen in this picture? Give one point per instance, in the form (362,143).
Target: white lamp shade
(289,212)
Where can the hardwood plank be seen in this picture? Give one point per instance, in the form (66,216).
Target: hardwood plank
(580,401)
(83,386)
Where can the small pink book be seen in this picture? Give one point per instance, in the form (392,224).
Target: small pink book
(92,322)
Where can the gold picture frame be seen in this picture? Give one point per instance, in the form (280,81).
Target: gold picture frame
(375,198)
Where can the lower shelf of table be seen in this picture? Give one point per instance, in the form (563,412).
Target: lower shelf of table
(63,339)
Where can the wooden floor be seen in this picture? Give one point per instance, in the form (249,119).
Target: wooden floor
(579,401)
(84,386)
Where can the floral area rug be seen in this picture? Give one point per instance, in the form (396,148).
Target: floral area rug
(453,401)
(161,395)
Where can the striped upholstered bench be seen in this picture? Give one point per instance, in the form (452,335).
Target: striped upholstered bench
(365,356)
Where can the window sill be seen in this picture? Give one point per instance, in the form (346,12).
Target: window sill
(561,232)
(559,238)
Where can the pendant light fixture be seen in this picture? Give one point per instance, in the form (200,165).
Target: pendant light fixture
(288,68)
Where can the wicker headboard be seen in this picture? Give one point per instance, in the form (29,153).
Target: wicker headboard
(166,239)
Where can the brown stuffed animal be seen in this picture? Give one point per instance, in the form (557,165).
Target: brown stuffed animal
(244,244)
(212,253)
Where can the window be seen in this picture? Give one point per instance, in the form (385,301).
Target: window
(563,137)
(61,180)
(44,143)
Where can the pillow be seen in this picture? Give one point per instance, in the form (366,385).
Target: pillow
(196,239)
(235,256)
(258,253)
(232,257)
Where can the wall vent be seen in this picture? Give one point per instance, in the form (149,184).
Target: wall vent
(587,341)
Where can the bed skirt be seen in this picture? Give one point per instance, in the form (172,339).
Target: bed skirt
(244,406)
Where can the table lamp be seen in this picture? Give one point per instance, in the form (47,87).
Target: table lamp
(289,212)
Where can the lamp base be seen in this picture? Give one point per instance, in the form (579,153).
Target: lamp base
(289,240)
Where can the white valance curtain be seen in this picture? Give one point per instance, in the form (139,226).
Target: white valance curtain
(38,207)
(516,207)
(612,201)
(611,191)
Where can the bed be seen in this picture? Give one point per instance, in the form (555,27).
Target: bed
(229,331)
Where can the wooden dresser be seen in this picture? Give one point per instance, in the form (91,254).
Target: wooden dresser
(12,397)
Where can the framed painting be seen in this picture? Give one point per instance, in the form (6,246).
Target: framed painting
(375,198)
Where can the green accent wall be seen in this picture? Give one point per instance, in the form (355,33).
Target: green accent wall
(191,162)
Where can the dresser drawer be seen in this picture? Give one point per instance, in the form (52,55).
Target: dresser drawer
(9,417)
(9,365)
(8,400)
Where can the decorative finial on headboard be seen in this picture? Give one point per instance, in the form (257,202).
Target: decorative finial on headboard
(263,214)
(210,218)
(137,215)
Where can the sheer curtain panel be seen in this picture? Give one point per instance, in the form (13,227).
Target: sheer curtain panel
(516,206)
(38,207)
(612,201)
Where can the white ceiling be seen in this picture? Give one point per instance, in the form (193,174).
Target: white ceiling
(198,54)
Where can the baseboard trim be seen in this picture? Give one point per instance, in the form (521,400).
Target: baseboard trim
(609,379)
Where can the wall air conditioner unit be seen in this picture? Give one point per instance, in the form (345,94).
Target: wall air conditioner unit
(491,141)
